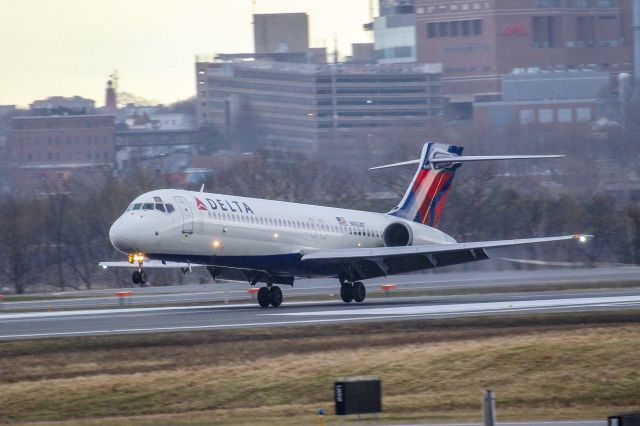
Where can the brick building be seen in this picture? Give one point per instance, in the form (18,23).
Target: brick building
(480,41)
(48,153)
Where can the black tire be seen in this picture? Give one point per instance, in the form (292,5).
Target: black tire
(359,292)
(346,293)
(275,296)
(135,277)
(263,297)
(143,278)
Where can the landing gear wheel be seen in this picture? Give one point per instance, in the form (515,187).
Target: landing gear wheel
(346,293)
(359,292)
(135,277)
(275,296)
(263,297)
(143,278)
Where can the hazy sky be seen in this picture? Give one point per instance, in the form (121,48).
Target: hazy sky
(70,47)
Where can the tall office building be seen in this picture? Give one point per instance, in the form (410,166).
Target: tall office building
(300,107)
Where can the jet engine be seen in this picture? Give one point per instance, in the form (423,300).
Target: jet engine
(397,234)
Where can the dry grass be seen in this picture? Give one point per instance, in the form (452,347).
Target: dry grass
(562,366)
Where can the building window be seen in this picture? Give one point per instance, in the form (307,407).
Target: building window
(526,116)
(586,31)
(544,31)
(583,115)
(545,116)
(565,115)
(432,30)
(477,27)
(455,28)
(442,29)
(466,28)
(584,4)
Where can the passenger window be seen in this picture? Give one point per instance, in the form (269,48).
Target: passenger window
(137,206)
(170,208)
(147,206)
(160,207)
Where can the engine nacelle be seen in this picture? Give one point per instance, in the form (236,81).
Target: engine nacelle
(397,234)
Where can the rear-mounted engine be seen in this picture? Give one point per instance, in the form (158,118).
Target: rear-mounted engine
(397,234)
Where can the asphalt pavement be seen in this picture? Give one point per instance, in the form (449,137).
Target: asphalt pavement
(92,322)
(327,288)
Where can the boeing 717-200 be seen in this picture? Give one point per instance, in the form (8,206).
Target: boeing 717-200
(275,242)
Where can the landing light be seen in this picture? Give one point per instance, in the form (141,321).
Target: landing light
(582,238)
(136,258)
(275,235)
(216,244)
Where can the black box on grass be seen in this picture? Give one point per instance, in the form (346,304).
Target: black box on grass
(358,395)
(630,419)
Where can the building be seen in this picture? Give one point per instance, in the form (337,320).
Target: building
(156,149)
(545,98)
(60,105)
(281,32)
(48,153)
(298,107)
(480,41)
(394,32)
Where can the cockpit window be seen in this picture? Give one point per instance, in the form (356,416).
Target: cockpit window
(160,207)
(170,208)
(137,206)
(147,206)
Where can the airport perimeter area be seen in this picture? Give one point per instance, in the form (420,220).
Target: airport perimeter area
(577,363)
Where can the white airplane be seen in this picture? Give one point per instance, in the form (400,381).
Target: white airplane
(274,242)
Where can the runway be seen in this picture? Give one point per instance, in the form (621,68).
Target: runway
(29,325)
(229,292)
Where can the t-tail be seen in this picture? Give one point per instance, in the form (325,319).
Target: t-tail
(426,196)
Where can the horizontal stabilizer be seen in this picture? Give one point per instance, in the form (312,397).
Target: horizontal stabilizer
(467,158)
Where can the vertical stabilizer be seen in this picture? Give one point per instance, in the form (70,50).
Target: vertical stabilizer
(425,198)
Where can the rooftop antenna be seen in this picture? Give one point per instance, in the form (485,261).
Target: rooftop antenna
(114,77)
(253,12)
(335,48)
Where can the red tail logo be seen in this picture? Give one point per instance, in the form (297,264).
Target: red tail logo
(199,204)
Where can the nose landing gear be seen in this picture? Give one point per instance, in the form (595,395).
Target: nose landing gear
(138,277)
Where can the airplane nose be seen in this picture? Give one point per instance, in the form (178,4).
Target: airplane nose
(121,237)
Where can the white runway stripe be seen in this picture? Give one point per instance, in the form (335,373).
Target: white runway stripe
(476,307)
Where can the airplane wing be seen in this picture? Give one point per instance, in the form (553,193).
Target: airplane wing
(148,264)
(373,262)
(219,272)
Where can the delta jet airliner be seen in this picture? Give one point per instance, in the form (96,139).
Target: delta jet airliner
(274,242)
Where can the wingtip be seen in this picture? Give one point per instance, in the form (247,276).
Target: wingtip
(583,238)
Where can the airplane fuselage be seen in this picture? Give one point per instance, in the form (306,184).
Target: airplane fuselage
(250,233)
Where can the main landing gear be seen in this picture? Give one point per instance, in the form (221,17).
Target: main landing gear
(355,291)
(270,295)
